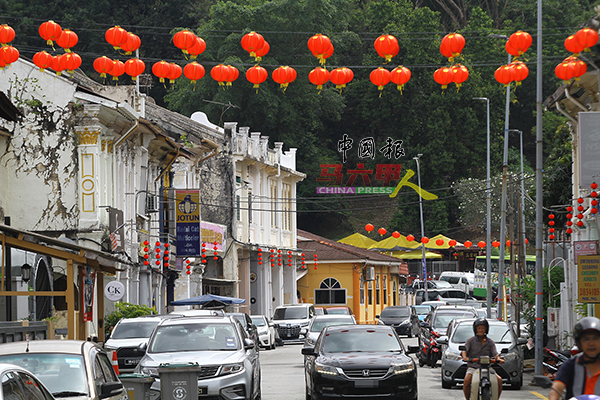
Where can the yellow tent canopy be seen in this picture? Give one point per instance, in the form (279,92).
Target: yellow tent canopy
(393,244)
(358,240)
(432,245)
(415,255)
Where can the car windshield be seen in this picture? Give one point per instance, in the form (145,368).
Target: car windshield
(367,340)
(337,311)
(443,285)
(58,372)
(498,333)
(441,320)
(318,325)
(450,279)
(395,312)
(134,329)
(421,310)
(290,313)
(205,336)
(259,321)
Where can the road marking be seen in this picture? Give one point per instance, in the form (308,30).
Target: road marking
(541,396)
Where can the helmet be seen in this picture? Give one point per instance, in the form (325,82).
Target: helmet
(482,321)
(584,325)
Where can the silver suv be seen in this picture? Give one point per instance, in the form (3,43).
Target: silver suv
(291,318)
(229,366)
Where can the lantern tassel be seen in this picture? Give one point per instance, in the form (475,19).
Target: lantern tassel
(67,50)
(400,87)
(388,58)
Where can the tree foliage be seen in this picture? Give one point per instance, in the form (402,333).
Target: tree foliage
(125,310)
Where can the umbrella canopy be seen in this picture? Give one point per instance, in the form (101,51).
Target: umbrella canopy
(432,245)
(415,255)
(393,244)
(358,240)
(208,301)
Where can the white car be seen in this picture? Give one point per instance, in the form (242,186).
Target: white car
(18,383)
(266,331)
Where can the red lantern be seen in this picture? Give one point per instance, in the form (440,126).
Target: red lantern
(117,70)
(439,242)
(256,75)
(505,74)
(508,243)
(454,42)
(67,39)
(71,61)
(481,244)
(220,73)
(511,50)
(569,231)
(42,59)
(284,76)
(194,71)
(103,65)
(174,73)
(446,51)
(569,209)
(263,51)
(7,34)
(496,243)
(424,240)
(468,244)
(410,237)
(132,43)
(320,46)
(197,48)
(9,54)
(572,45)
(369,227)
(396,234)
(551,216)
(594,185)
(400,76)
(551,237)
(252,42)
(443,76)
(587,38)
(579,67)
(580,200)
(520,41)
(460,73)
(50,31)
(387,47)
(565,71)
(134,67)
(183,40)
(580,223)
(340,77)
(520,71)
(233,74)
(116,36)
(380,77)
(57,65)
(318,76)
(161,69)
(382,231)
(451,242)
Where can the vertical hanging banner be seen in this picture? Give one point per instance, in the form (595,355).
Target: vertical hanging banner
(88,280)
(187,221)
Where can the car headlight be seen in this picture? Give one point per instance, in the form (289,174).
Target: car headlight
(232,368)
(149,371)
(304,323)
(405,322)
(310,341)
(402,368)
(326,369)
(512,356)
(453,356)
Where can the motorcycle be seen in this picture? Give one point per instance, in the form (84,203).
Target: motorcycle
(552,361)
(431,351)
(484,379)
(435,349)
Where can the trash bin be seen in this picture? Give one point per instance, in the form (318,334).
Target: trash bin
(179,381)
(137,386)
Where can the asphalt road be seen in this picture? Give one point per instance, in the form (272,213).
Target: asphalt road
(283,378)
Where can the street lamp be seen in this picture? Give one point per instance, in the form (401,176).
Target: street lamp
(26,272)
(488,253)
(424,264)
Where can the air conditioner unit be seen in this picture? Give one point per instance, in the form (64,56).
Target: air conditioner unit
(152,204)
(370,274)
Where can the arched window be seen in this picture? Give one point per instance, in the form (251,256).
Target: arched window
(330,292)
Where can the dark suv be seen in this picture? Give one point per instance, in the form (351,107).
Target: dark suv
(403,319)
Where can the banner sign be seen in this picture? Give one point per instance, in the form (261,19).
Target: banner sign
(88,280)
(589,147)
(588,279)
(212,233)
(187,211)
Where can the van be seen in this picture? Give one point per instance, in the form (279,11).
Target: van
(464,281)
(290,318)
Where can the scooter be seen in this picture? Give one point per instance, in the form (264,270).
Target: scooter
(484,379)
(435,350)
(552,361)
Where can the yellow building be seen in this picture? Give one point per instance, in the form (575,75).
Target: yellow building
(345,275)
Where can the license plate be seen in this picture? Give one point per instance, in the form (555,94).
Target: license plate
(132,361)
(366,383)
(202,390)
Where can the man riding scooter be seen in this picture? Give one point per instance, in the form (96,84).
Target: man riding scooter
(479,346)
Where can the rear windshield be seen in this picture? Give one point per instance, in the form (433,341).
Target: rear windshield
(205,336)
(291,313)
(367,340)
(441,320)
(318,325)
(450,279)
(395,312)
(258,321)
(134,329)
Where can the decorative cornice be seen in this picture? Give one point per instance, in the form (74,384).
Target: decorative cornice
(88,135)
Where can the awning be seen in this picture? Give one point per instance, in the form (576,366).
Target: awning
(358,240)
(415,255)
(394,244)
(432,245)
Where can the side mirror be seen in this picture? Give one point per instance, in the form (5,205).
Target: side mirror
(309,351)
(377,316)
(442,340)
(143,347)
(412,349)
(303,331)
(109,389)
(248,344)
(504,351)
(424,325)
(521,341)
(462,347)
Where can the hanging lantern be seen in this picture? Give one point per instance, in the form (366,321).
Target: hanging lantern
(263,51)
(505,74)
(219,73)
(50,31)
(380,77)
(320,45)
(132,43)
(252,42)
(234,73)
(284,76)
(103,65)
(134,67)
(496,243)
(256,75)
(439,242)
(520,41)
(116,36)
(340,77)
(580,68)
(318,76)
(197,48)
(424,240)
(67,40)
(572,45)
(468,244)
(194,71)
(9,54)
(382,231)
(460,73)
(42,60)
(161,69)
(400,76)
(175,72)
(410,237)
(451,242)
(454,42)
(387,47)
(565,71)
(369,227)
(520,71)
(7,34)
(117,70)
(508,243)
(511,50)
(569,231)
(587,38)
(443,76)
(70,61)
(57,65)
(183,40)
(396,234)
(446,51)
(481,244)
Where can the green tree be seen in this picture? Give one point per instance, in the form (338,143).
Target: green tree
(125,310)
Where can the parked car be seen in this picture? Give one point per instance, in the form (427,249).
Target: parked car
(361,360)
(68,368)
(450,296)
(433,284)
(454,369)
(422,310)
(18,383)
(126,337)
(290,318)
(319,311)
(265,330)
(312,332)
(338,310)
(248,325)
(403,319)
(227,357)
(464,281)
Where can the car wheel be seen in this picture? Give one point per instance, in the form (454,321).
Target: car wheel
(410,333)
(446,385)
(517,385)
(307,393)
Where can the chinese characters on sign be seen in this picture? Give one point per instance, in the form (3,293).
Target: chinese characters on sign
(366,148)
(588,279)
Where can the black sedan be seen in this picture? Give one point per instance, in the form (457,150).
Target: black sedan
(360,361)
(404,319)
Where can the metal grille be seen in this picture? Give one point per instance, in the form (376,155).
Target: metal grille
(208,372)
(129,352)
(286,331)
(372,373)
